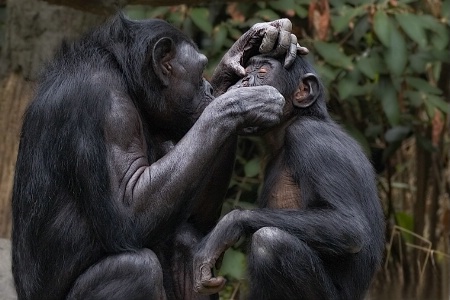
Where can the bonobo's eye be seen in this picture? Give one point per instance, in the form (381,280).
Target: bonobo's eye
(262,70)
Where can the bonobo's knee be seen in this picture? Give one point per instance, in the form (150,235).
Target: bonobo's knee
(139,274)
(267,242)
(144,260)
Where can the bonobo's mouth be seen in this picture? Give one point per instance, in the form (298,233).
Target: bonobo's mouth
(248,130)
(241,83)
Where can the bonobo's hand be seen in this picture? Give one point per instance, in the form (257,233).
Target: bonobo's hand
(204,282)
(274,38)
(227,232)
(259,106)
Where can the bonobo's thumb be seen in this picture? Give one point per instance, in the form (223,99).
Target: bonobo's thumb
(237,68)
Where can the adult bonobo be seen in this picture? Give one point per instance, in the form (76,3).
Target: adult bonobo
(121,145)
(319,231)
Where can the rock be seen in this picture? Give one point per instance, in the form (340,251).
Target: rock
(7,290)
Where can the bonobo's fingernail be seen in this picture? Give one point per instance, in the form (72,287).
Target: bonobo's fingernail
(302,50)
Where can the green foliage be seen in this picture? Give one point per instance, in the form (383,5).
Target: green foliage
(380,62)
(234,264)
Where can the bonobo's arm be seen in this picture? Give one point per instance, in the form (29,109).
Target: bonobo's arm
(209,199)
(273,38)
(333,223)
(326,230)
(152,193)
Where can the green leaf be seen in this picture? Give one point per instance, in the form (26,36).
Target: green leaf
(422,85)
(382,26)
(341,21)
(370,66)
(439,103)
(388,97)
(233,264)
(396,55)
(345,88)
(283,6)
(414,97)
(397,134)
(412,26)
(157,11)
(419,60)
(251,168)
(176,18)
(441,55)
(200,17)
(301,11)
(348,87)
(332,53)
(440,37)
(219,37)
(405,221)
(361,29)
(346,14)
(267,15)
(135,12)
(446,9)
(327,73)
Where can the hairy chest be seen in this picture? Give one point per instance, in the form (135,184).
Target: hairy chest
(282,192)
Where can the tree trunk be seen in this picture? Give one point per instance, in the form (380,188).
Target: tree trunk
(33,30)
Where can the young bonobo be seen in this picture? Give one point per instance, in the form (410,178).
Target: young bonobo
(319,233)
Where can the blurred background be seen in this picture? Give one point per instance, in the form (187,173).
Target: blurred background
(386,67)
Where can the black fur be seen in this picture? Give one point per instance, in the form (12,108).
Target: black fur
(327,242)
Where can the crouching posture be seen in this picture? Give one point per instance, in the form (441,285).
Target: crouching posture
(319,231)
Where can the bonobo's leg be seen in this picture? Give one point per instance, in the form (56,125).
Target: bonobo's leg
(128,275)
(176,257)
(283,267)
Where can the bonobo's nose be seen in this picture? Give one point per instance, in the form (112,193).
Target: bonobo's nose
(203,59)
(248,80)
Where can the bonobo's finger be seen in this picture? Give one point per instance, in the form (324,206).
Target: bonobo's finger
(302,50)
(284,43)
(211,286)
(237,68)
(269,40)
(284,39)
(283,24)
(292,53)
(214,282)
(219,261)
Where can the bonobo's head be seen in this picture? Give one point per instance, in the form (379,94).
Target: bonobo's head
(163,71)
(299,85)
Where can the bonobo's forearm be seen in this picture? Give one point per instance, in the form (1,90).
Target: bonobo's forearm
(326,230)
(175,177)
(209,199)
(166,186)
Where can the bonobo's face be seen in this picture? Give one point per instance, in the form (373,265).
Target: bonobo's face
(262,70)
(190,91)
(299,90)
(186,93)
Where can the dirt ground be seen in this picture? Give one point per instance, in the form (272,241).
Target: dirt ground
(7,291)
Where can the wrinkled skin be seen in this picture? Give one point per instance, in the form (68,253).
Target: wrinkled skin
(319,231)
(125,153)
(261,38)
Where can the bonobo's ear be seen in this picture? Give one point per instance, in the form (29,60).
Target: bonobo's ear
(163,52)
(307,91)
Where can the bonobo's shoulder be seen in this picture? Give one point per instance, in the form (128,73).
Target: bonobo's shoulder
(312,128)
(322,137)
(121,109)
